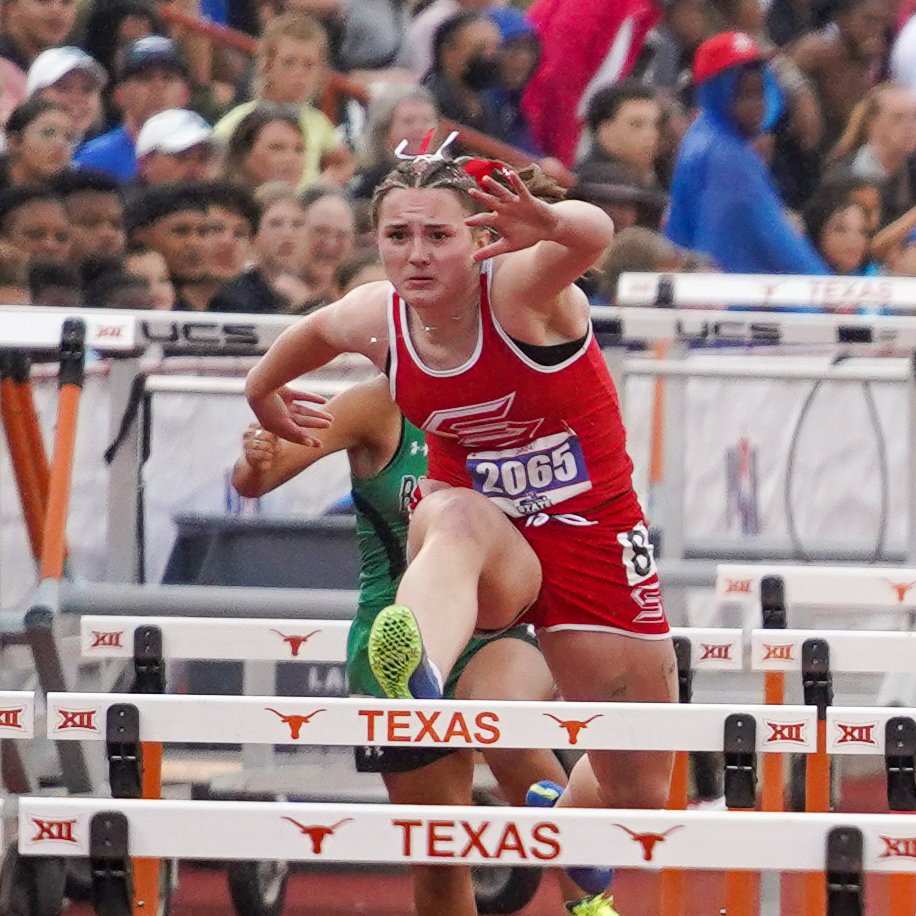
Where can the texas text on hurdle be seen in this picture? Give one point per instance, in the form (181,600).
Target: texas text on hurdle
(442,834)
(362,721)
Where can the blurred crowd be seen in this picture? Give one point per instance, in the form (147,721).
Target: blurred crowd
(145,165)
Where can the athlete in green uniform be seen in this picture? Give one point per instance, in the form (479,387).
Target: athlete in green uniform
(387,461)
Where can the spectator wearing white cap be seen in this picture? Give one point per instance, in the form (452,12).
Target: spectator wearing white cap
(153,77)
(71,78)
(174,145)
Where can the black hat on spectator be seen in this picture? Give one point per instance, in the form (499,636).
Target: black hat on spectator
(610,182)
(152,51)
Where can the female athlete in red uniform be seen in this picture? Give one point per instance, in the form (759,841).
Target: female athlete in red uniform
(532,513)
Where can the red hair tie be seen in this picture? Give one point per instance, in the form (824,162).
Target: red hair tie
(479,169)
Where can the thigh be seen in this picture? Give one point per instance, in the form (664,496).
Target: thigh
(596,667)
(509,572)
(506,668)
(448,781)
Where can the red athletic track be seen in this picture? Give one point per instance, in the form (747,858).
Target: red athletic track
(202,892)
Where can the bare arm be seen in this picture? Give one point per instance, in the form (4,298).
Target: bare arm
(893,234)
(355,324)
(364,419)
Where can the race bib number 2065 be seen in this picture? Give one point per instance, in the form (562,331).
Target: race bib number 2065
(526,480)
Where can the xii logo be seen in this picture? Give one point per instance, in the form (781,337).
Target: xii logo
(857,734)
(61,831)
(110,640)
(898,847)
(716,652)
(793,732)
(778,653)
(78,719)
(12,717)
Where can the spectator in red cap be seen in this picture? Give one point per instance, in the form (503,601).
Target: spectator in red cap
(724,203)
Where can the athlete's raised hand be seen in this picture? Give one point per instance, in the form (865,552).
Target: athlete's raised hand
(283,413)
(520,219)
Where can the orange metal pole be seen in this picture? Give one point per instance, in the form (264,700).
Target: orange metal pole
(53,549)
(674,881)
(817,799)
(774,692)
(35,439)
(741,893)
(25,467)
(902,899)
(146,871)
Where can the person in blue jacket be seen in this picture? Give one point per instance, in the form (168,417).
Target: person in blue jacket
(723,202)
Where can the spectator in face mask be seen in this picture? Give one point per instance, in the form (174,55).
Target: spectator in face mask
(465,65)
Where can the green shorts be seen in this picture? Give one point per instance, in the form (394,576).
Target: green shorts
(363,683)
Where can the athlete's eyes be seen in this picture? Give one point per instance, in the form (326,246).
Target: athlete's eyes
(398,235)
(440,236)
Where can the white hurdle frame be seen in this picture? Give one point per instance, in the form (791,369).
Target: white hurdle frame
(851,651)
(309,832)
(356,721)
(306,640)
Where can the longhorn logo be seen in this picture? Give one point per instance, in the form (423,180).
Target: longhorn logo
(901,589)
(295,642)
(295,723)
(573,726)
(649,841)
(317,833)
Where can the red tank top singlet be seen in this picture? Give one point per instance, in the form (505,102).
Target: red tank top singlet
(535,439)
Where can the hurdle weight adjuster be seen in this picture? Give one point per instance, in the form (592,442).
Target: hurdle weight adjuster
(110,865)
(817,680)
(124,751)
(149,666)
(773,603)
(740,752)
(900,763)
(682,652)
(845,876)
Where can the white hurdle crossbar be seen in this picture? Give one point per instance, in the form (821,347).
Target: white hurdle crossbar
(17,714)
(768,290)
(124,332)
(859,587)
(859,651)
(359,721)
(287,831)
(302,640)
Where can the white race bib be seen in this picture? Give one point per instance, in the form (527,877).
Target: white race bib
(535,477)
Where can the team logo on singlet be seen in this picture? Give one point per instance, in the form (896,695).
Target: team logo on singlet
(477,425)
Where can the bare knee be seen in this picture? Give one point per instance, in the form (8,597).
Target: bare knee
(455,513)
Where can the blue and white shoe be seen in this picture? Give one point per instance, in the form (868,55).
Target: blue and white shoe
(593,880)
(397,657)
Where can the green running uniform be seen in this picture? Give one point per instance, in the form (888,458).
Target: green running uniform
(381,504)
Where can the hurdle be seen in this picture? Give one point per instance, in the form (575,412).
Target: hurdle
(17,715)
